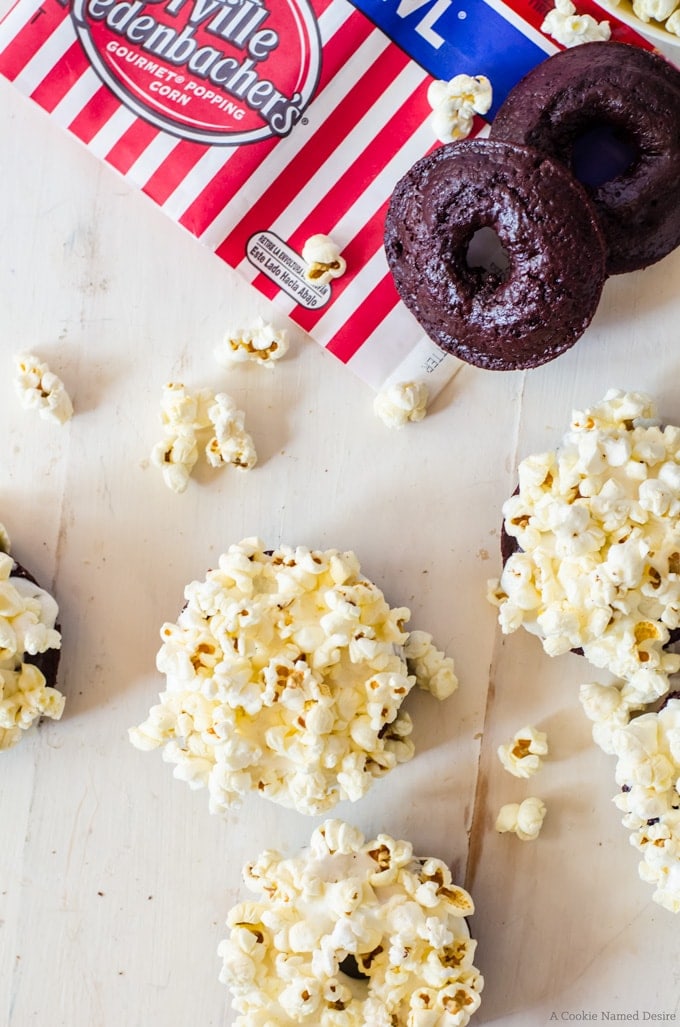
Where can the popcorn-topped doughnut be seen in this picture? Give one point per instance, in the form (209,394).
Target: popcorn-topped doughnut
(400,919)
(648,771)
(597,525)
(29,642)
(286,672)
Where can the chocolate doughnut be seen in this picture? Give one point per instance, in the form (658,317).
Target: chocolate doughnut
(361,928)
(306,674)
(30,651)
(519,315)
(48,661)
(610,112)
(590,553)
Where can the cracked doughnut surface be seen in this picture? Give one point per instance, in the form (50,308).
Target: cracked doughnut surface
(496,318)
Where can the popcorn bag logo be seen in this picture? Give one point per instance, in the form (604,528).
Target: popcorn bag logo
(219,72)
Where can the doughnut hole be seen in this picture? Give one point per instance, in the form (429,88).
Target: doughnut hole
(601,153)
(486,258)
(354,976)
(610,113)
(350,968)
(535,295)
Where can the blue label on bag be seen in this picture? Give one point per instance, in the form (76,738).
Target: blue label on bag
(454,37)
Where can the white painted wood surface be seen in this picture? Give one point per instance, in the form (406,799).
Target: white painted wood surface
(114,880)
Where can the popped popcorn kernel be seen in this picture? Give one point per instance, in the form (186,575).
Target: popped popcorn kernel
(672,24)
(525,819)
(286,673)
(433,670)
(648,773)
(28,616)
(656,10)
(261,344)
(596,523)
(231,443)
(323,259)
(571,29)
(455,103)
(187,418)
(521,757)
(401,403)
(40,389)
(346,905)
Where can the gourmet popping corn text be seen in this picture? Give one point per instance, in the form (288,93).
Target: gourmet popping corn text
(286,673)
(27,628)
(399,919)
(598,566)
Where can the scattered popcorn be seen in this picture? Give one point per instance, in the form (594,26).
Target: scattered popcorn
(286,672)
(648,773)
(455,103)
(262,344)
(231,443)
(39,389)
(175,457)
(610,707)
(400,403)
(323,260)
(571,29)
(598,566)
(525,819)
(186,417)
(522,756)
(28,617)
(433,671)
(346,905)
(654,10)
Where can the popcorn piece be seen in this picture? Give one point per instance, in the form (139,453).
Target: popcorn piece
(525,819)
(286,673)
(399,919)
(231,443)
(571,29)
(185,417)
(39,389)
(400,403)
(654,10)
(648,772)
(673,23)
(433,670)
(455,103)
(522,756)
(27,628)
(323,259)
(596,523)
(610,707)
(175,456)
(262,344)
